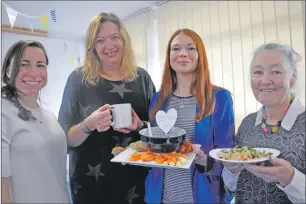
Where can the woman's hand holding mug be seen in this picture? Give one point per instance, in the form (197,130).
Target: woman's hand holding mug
(100,119)
(136,124)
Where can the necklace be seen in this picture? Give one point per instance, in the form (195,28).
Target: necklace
(38,115)
(24,113)
(275,128)
(181,106)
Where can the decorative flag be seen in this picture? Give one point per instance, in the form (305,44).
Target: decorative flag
(79,60)
(12,15)
(53,15)
(72,60)
(44,21)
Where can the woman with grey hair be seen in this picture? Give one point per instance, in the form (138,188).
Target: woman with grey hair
(279,124)
(33,144)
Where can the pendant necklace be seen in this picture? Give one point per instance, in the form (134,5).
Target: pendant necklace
(181,105)
(274,128)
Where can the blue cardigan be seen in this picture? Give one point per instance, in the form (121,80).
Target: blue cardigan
(214,131)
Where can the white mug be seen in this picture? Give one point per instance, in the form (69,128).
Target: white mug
(122,115)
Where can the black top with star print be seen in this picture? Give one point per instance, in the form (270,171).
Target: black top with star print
(93,178)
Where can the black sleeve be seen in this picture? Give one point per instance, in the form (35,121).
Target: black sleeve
(151,89)
(68,114)
(147,83)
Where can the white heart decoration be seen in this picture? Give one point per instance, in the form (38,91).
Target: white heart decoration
(166,121)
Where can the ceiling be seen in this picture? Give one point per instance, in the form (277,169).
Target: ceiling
(72,17)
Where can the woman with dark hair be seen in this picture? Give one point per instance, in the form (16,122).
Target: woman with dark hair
(204,111)
(109,76)
(33,144)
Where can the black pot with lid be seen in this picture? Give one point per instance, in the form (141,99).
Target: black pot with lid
(160,142)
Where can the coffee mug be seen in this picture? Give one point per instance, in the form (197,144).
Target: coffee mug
(122,115)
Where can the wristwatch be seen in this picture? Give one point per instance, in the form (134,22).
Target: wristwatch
(85,129)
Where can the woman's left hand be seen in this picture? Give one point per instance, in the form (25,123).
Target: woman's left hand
(199,153)
(197,150)
(281,171)
(136,124)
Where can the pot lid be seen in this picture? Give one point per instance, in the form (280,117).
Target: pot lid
(158,133)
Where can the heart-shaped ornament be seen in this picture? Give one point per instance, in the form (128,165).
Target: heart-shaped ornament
(166,121)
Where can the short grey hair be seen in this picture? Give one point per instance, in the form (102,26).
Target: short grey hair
(290,55)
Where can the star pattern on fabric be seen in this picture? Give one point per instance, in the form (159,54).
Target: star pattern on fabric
(76,188)
(84,110)
(122,141)
(131,195)
(70,109)
(120,89)
(95,171)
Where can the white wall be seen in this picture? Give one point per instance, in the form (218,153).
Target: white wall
(59,68)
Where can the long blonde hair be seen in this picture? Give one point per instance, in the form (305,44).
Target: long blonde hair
(93,64)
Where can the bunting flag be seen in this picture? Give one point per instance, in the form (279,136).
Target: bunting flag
(53,15)
(79,60)
(44,21)
(12,15)
(72,60)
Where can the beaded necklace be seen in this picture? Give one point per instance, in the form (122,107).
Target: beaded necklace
(275,128)
(23,113)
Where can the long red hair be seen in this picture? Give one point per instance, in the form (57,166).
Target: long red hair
(201,88)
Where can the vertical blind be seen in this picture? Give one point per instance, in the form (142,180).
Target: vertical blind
(230,30)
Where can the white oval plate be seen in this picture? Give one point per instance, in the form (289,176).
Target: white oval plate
(124,156)
(215,152)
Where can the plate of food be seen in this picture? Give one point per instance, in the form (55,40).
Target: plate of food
(137,154)
(244,154)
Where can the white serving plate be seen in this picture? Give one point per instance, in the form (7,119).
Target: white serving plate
(124,156)
(215,154)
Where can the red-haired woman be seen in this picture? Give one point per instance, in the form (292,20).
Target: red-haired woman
(204,111)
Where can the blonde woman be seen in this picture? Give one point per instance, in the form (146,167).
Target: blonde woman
(108,77)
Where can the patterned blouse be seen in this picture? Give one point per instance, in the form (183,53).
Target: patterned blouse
(93,178)
(289,140)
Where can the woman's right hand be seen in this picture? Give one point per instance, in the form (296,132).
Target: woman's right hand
(233,168)
(100,119)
